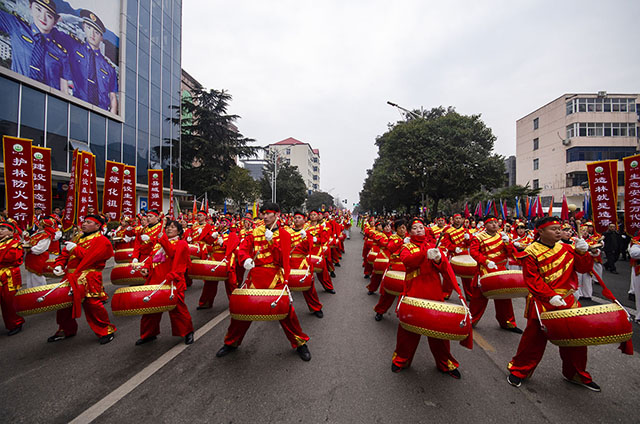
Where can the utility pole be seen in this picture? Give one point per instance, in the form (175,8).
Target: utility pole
(407,111)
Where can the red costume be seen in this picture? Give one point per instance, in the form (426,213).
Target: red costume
(10,281)
(380,240)
(300,251)
(221,248)
(395,264)
(142,246)
(320,236)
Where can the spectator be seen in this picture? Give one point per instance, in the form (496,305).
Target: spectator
(612,243)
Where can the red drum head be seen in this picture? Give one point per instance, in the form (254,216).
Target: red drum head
(317,262)
(125,274)
(587,326)
(127,301)
(503,285)
(26,300)
(393,282)
(123,255)
(300,279)
(256,304)
(431,318)
(464,266)
(200,269)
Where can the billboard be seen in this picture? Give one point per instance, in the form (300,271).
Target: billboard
(69,45)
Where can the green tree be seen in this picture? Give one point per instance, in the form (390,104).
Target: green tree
(317,199)
(240,187)
(210,142)
(291,191)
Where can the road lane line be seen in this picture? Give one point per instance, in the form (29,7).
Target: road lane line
(485,345)
(127,387)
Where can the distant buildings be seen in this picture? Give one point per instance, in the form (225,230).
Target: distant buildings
(302,156)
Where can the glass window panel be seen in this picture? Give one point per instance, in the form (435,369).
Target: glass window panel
(143,117)
(143,65)
(154,123)
(156,32)
(156,9)
(132,10)
(144,21)
(143,90)
(9,93)
(166,81)
(176,49)
(98,131)
(166,7)
(32,116)
(176,11)
(130,111)
(79,124)
(57,127)
(130,82)
(131,55)
(114,141)
(154,153)
(155,52)
(156,97)
(142,156)
(129,145)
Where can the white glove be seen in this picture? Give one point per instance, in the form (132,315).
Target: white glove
(129,228)
(127,239)
(248,264)
(315,239)
(189,239)
(491,265)
(407,240)
(268,235)
(505,238)
(25,234)
(220,241)
(458,249)
(303,234)
(517,245)
(214,234)
(145,238)
(558,301)
(634,251)
(57,235)
(58,271)
(467,236)
(595,253)
(434,254)
(581,246)
(134,260)
(69,245)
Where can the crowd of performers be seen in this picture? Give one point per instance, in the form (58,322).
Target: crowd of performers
(557,260)
(260,253)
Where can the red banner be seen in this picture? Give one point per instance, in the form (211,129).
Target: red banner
(87,191)
(69,216)
(18,177)
(42,178)
(112,194)
(603,185)
(632,194)
(155,189)
(129,191)
(171,195)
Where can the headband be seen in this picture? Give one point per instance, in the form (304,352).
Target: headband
(490,220)
(301,214)
(8,225)
(414,220)
(90,218)
(547,224)
(457,215)
(153,213)
(269,211)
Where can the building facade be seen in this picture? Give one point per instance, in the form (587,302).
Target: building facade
(555,142)
(144,130)
(302,156)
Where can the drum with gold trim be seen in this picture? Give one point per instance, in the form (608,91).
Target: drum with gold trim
(123,255)
(141,300)
(371,256)
(434,319)
(464,266)
(300,279)
(259,304)
(380,264)
(206,270)
(125,274)
(316,262)
(47,271)
(588,325)
(49,297)
(503,285)
(194,251)
(393,282)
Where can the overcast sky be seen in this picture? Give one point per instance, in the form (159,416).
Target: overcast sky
(322,71)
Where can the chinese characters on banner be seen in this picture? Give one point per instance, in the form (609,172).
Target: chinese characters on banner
(112,194)
(87,191)
(18,177)
(42,178)
(603,185)
(632,194)
(70,204)
(129,191)
(155,189)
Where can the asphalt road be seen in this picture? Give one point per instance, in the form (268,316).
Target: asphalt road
(348,379)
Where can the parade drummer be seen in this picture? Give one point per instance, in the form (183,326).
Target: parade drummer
(320,236)
(393,247)
(37,247)
(549,270)
(125,234)
(456,237)
(147,236)
(168,264)
(490,249)
(247,228)
(82,266)
(265,254)
(10,280)
(368,228)
(380,240)
(433,232)
(425,264)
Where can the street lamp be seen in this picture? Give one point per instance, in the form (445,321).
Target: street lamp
(407,111)
(276,155)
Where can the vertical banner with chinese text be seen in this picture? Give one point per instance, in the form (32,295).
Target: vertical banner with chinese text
(112,193)
(632,194)
(603,185)
(129,191)
(171,195)
(155,189)
(87,194)
(69,216)
(42,178)
(18,179)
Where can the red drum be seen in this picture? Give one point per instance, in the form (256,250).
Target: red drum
(259,304)
(200,269)
(123,274)
(380,264)
(300,279)
(316,262)
(503,285)
(127,301)
(434,319)
(342,236)
(26,300)
(194,251)
(371,256)
(47,271)
(123,255)
(586,326)
(464,266)
(393,282)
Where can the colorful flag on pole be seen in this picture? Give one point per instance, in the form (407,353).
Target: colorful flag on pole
(112,193)
(564,213)
(18,177)
(517,207)
(550,212)
(154,180)
(42,178)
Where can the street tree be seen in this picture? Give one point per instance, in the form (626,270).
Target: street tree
(291,191)
(317,199)
(240,187)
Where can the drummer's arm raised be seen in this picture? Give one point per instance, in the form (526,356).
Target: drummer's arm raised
(582,262)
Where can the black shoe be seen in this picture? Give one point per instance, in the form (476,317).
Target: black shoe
(57,337)
(188,339)
(369,293)
(106,339)
(15,331)
(337,264)
(591,386)
(303,352)
(632,297)
(395,368)
(366,276)
(332,274)
(513,329)
(145,340)
(378,317)
(319,313)
(332,291)
(514,381)
(615,272)
(225,350)
(199,308)
(454,373)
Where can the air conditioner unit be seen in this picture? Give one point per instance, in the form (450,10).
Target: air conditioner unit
(602,94)
(566,141)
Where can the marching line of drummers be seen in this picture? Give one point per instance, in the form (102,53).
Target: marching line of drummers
(260,261)
(552,267)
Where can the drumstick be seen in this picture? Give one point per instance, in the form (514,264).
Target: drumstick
(41,298)
(148,298)
(569,293)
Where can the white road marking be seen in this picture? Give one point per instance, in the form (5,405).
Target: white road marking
(127,387)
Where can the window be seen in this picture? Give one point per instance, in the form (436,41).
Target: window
(288,151)
(536,184)
(594,153)
(536,124)
(601,129)
(601,104)
(536,164)
(57,112)
(8,108)
(535,144)
(32,115)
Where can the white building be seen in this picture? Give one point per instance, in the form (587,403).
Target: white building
(302,156)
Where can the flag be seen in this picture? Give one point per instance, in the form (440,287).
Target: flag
(195,205)
(225,206)
(466,210)
(540,212)
(550,212)
(517,207)
(495,209)
(564,213)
